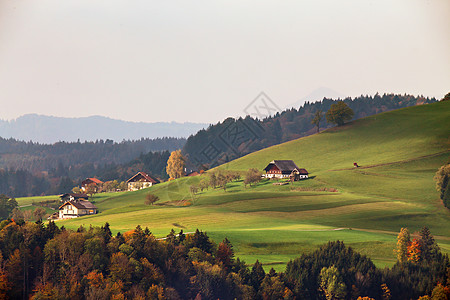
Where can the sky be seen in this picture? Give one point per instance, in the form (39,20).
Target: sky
(203,61)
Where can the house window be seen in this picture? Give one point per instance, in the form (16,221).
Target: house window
(69,207)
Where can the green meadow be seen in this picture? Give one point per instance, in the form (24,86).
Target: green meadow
(398,153)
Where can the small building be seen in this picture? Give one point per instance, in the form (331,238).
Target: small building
(73,197)
(76,208)
(285,169)
(90,182)
(141,181)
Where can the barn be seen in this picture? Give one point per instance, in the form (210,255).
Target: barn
(285,169)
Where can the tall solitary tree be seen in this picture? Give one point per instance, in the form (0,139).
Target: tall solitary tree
(318,116)
(175,164)
(339,113)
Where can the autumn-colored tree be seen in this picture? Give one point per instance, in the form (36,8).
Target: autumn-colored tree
(414,251)
(123,186)
(332,283)
(5,286)
(339,113)
(386,292)
(150,199)
(440,292)
(175,164)
(91,190)
(120,268)
(76,190)
(252,176)
(272,287)
(156,292)
(403,241)
(318,116)
(15,273)
(39,213)
(225,253)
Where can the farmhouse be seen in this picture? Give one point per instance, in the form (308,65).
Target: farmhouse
(90,182)
(285,169)
(73,197)
(141,181)
(76,208)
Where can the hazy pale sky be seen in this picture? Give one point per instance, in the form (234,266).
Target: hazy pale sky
(202,61)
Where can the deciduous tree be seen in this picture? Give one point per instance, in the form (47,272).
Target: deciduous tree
(150,199)
(339,113)
(442,179)
(332,284)
(175,164)
(318,116)
(403,241)
(252,176)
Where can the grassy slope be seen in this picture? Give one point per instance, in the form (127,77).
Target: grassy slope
(399,153)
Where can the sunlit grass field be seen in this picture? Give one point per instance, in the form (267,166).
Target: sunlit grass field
(398,152)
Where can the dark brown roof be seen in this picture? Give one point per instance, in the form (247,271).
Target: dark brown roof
(284,165)
(143,177)
(303,171)
(80,204)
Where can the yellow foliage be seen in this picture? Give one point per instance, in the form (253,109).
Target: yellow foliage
(175,165)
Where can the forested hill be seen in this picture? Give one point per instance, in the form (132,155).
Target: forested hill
(28,169)
(37,157)
(234,138)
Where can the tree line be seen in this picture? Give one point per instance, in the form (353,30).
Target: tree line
(40,261)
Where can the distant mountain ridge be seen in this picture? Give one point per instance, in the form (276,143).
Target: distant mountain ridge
(49,129)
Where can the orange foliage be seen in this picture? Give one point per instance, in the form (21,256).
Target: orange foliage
(45,291)
(4,285)
(414,251)
(95,279)
(127,235)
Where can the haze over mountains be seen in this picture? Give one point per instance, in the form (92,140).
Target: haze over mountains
(49,129)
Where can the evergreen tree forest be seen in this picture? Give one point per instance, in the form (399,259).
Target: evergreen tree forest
(29,169)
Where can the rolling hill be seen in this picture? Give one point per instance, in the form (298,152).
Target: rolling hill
(398,151)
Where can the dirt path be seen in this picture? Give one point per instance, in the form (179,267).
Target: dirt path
(393,163)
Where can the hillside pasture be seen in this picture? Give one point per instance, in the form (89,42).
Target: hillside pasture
(398,152)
